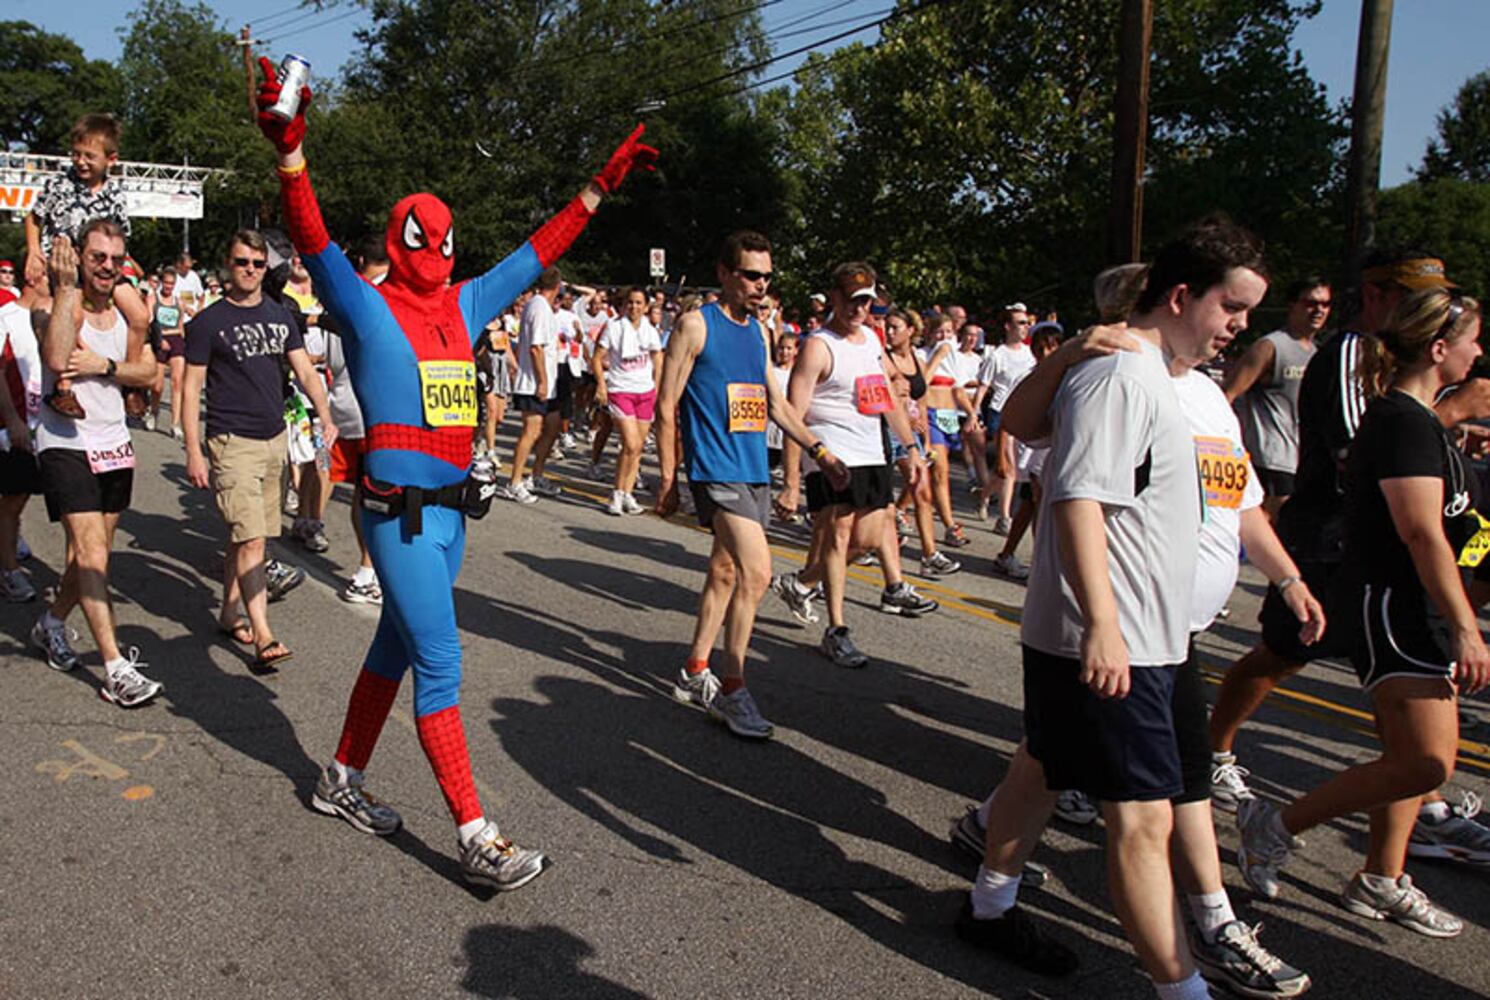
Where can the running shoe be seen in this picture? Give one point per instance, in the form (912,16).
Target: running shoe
(617,505)
(939,564)
(641,485)
(739,713)
(492,860)
(517,493)
(840,649)
(54,643)
(1238,963)
(1002,525)
(1261,851)
(349,800)
(956,538)
(556,454)
(543,486)
(903,599)
(1018,937)
(594,471)
(362,593)
(1400,902)
(312,535)
(292,503)
(125,686)
(697,689)
(1458,837)
(178,433)
(281,578)
(1011,567)
(969,837)
(1075,808)
(148,421)
(567,442)
(798,601)
(1228,783)
(15,587)
(869,558)
(630,506)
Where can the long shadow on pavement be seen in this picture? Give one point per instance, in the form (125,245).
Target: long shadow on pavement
(540,963)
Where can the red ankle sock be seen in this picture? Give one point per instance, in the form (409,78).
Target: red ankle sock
(696,666)
(731,684)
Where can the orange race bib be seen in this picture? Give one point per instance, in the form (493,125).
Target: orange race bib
(1223,471)
(747,407)
(872,394)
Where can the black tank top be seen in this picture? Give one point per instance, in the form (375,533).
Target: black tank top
(915,378)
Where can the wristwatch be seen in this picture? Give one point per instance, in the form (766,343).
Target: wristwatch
(113,367)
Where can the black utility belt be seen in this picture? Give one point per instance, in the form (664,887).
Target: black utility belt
(473,497)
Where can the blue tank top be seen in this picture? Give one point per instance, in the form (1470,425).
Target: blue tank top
(723,410)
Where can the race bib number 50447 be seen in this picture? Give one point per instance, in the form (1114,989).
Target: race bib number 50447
(448,389)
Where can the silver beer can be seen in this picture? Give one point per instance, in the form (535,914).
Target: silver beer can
(294,73)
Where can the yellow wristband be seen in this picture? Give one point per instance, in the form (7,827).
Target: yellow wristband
(291,171)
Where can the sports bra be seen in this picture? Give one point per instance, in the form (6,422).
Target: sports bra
(915,378)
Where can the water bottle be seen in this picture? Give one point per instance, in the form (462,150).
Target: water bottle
(323,454)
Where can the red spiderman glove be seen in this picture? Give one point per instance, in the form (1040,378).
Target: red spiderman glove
(286,135)
(632,153)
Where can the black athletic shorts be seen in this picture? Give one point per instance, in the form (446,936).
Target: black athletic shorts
(71,487)
(1280,629)
(563,399)
(1114,749)
(19,473)
(1274,482)
(528,403)
(870,487)
(1192,730)
(1394,633)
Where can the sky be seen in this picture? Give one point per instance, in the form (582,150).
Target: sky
(1436,46)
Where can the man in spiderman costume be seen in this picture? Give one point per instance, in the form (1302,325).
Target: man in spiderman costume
(408,351)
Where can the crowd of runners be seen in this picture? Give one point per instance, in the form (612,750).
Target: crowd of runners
(1145,453)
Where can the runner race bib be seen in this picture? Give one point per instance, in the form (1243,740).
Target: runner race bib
(1474,551)
(1223,471)
(747,407)
(448,389)
(103,460)
(947,421)
(872,394)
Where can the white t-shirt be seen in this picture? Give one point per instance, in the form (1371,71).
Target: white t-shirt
(1230,486)
(1002,368)
(15,328)
(1119,437)
(967,363)
(537,329)
(775,437)
(189,291)
(628,355)
(571,344)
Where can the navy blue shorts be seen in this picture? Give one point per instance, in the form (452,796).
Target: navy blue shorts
(1114,749)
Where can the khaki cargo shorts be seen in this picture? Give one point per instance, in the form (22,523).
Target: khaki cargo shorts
(246,476)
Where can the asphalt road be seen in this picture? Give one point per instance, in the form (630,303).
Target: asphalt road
(169,852)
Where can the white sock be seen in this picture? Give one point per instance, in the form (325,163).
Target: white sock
(344,774)
(1212,911)
(1222,757)
(364,576)
(984,807)
(468,831)
(1193,988)
(797,585)
(994,893)
(1381,883)
(1434,812)
(115,665)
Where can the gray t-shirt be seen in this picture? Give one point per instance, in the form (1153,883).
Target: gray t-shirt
(1270,411)
(1118,436)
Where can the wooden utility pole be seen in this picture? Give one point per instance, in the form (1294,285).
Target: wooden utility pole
(246,43)
(1367,112)
(1130,133)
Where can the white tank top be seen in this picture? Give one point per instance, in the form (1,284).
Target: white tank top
(103,434)
(846,406)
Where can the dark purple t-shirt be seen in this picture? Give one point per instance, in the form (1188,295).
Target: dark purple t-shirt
(243,348)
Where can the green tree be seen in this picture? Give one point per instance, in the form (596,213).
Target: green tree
(1462,147)
(1449,217)
(46,84)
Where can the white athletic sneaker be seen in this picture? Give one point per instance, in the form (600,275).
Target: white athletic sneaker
(1400,902)
(14,587)
(125,686)
(738,712)
(1228,783)
(567,442)
(1002,525)
(696,689)
(148,421)
(630,506)
(797,602)
(492,860)
(517,493)
(542,485)
(54,643)
(939,564)
(1457,837)
(1261,851)
(617,505)
(362,593)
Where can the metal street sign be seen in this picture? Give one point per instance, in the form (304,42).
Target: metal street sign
(658,258)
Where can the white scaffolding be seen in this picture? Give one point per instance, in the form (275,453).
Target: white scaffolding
(153,190)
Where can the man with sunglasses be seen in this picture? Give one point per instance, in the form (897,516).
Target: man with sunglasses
(235,347)
(8,290)
(714,379)
(87,464)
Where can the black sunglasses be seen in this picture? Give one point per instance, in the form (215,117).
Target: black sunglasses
(750,275)
(252,263)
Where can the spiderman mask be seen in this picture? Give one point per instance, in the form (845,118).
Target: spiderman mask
(420,243)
